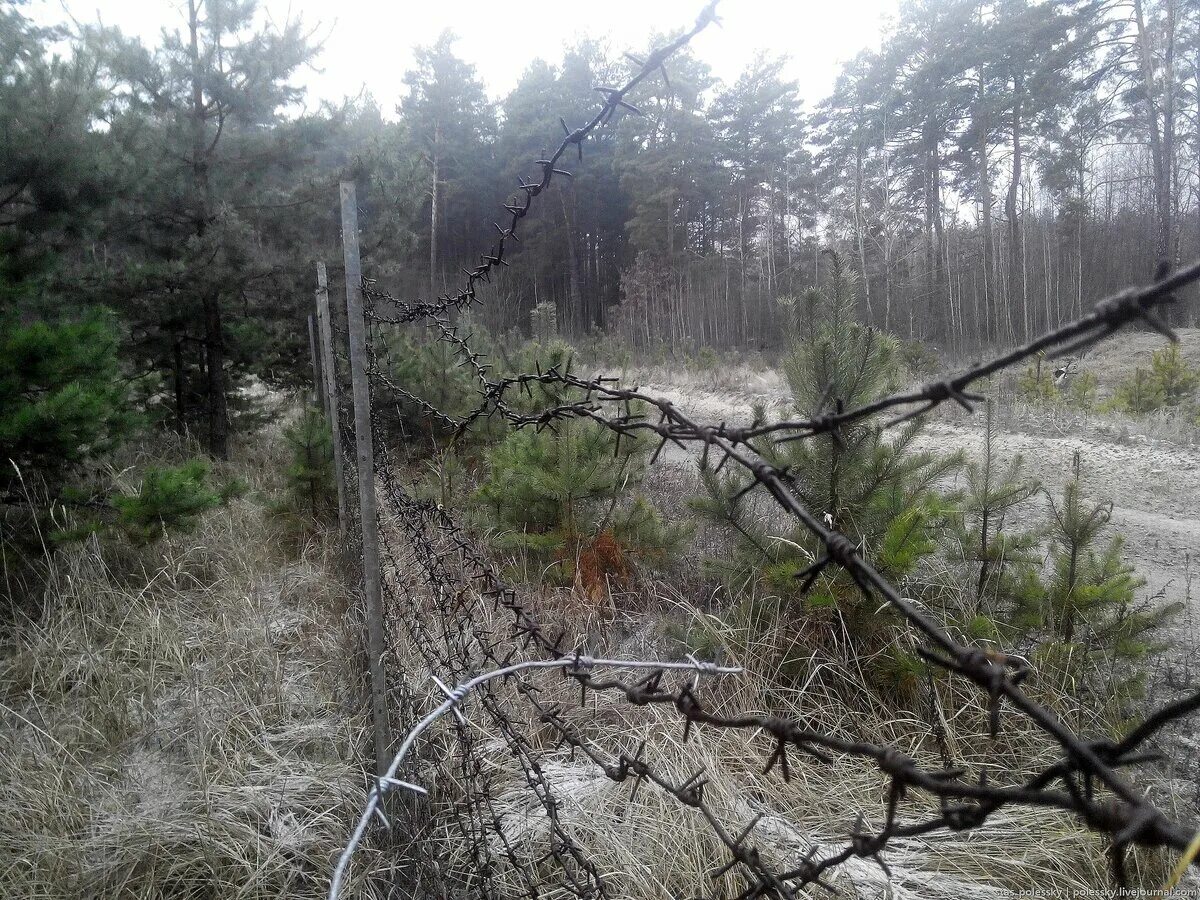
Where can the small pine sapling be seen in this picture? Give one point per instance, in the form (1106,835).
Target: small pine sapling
(1082,391)
(1172,377)
(1140,393)
(170,498)
(310,471)
(1036,383)
(1000,555)
(566,495)
(873,486)
(433,373)
(446,477)
(1086,608)
(543,322)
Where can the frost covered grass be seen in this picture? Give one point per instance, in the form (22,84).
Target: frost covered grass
(183,721)
(650,846)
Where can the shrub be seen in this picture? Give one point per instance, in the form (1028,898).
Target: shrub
(170,497)
(919,360)
(567,495)
(1138,394)
(309,475)
(874,488)
(1169,382)
(706,360)
(1174,379)
(1082,391)
(446,477)
(1036,384)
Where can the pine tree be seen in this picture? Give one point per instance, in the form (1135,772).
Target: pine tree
(310,473)
(210,201)
(1139,393)
(1081,393)
(1169,382)
(868,484)
(999,553)
(433,373)
(1036,383)
(567,494)
(1086,609)
(52,177)
(170,497)
(543,323)
(450,118)
(1172,376)
(760,126)
(61,397)
(62,404)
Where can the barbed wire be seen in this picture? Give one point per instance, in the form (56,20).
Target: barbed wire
(469,647)
(446,596)
(577,666)
(615,99)
(1107,317)
(964,804)
(1129,818)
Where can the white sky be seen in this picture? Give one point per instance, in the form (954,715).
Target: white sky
(370,43)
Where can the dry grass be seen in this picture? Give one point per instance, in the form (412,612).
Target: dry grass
(655,848)
(182,722)
(1168,426)
(1115,360)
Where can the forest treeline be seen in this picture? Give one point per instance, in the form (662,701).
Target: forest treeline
(991,170)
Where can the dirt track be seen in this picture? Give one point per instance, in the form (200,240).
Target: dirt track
(1154,485)
(1154,488)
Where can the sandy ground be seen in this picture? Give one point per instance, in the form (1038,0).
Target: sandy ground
(1150,474)
(1153,484)
(1154,488)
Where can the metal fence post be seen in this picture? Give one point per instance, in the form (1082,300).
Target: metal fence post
(357,328)
(330,393)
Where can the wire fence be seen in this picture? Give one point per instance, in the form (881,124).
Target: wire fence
(446,798)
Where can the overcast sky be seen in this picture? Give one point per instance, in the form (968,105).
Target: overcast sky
(370,43)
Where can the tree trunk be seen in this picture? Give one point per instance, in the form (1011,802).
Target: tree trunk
(435,197)
(576,315)
(1016,263)
(858,230)
(990,324)
(214,336)
(1159,105)
(930,253)
(180,408)
(934,233)
(218,411)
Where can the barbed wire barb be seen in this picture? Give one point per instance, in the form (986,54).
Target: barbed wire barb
(467,627)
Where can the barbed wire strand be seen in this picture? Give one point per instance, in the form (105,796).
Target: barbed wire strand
(389,781)
(1069,784)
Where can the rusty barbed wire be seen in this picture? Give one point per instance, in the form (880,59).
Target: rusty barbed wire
(615,99)
(1087,764)
(467,649)
(964,804)
(445,597)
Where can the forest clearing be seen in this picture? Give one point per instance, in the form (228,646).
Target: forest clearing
(1153,481)
(710,449)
